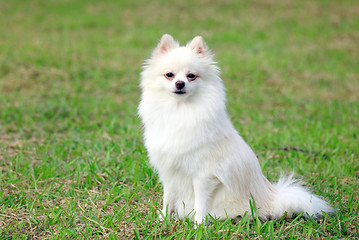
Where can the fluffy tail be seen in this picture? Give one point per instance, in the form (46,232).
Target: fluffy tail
(292,198)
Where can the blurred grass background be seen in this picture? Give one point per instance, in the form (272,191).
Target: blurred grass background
(72,162)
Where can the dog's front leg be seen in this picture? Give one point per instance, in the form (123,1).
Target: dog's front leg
(203,193)
(168,202)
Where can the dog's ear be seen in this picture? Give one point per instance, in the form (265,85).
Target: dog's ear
(166,44)
(198,45)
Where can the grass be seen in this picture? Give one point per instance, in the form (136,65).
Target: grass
(72,161)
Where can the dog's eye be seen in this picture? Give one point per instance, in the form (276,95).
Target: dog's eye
(191,77)
(169,75)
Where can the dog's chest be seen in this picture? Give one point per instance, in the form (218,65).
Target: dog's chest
(176,137)
(178,143)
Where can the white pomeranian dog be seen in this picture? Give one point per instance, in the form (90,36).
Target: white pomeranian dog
(204,165)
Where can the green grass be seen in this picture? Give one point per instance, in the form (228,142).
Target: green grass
(72,160)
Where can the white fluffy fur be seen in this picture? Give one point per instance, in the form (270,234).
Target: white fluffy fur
(204,165)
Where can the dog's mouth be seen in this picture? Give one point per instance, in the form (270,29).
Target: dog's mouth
(179,92)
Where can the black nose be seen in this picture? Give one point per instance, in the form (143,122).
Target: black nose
(180,84)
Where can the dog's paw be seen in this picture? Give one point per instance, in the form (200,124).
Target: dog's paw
(199,221)
(161,215)
(164,214)
(199,224)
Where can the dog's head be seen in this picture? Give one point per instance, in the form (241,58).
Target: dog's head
(179,70)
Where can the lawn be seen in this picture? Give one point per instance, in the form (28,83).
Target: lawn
(72,160)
